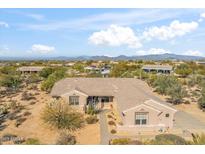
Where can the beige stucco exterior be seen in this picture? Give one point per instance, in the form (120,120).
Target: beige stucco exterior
(82,98)
(157,119)
(131,96)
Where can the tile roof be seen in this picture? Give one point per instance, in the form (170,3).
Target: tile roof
(128,92)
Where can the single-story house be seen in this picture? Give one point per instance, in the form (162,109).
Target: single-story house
(70,64)
(91,68)
(105,72)
(138,107)
(30,69)
(158,68)
(200,62)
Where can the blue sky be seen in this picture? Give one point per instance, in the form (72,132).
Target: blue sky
(111,32)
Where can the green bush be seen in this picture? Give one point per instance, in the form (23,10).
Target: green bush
(60,115)
(52,78)
(183,70)
(110,116)
(91,110)
(3,110)
(112,123)
(91,119)
(32,141)
(120,141)
(11,81)
(46,72)
(201,101)
(169,85)
(113,131)
(168,139)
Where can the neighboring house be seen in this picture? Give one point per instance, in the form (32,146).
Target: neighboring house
(56,65)
(138,107)
(200,62)
(30,69)
(166,69)
(105,72)
(91,68)
(70,64)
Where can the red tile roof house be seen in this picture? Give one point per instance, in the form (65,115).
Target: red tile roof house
(139,108)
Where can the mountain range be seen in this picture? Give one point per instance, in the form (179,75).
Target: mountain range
(154,57)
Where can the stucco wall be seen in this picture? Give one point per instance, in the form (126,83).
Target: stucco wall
(156,119)
(82,99)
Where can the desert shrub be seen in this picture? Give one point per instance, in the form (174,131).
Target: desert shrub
(91,119)
(112,123)
(32,141)
(19,121)
(11,81)
(201,101)
(120,141)
(8,137)
(198,139)
(32,103)
(46,72)
(177,93)
(26,113)
(13,105)
(52,78)
(8,70)
(113,131)
(169,85)
(183,70)
(109,116)
(3,110)
(18,140)
(33,78)
(27,96)
(167,139)
(91,110)
(66,139)
(61,115)
(186,102)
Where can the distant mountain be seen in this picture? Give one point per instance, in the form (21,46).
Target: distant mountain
(156,57)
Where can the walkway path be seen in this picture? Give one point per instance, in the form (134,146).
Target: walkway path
(104,132)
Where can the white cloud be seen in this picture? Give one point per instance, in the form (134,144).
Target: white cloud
(115,36)
(35,16)
(202,16)
(42,49)
(4,24)
(102,20)
(175,29)
(193,53)
(152,51)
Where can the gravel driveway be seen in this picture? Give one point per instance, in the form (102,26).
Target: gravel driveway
(184,120)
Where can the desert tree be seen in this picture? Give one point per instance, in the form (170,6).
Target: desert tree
(61,115)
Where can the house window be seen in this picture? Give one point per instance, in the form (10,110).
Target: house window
(74,100)
(141,118)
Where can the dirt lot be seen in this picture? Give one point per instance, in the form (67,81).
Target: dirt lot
(33,126)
